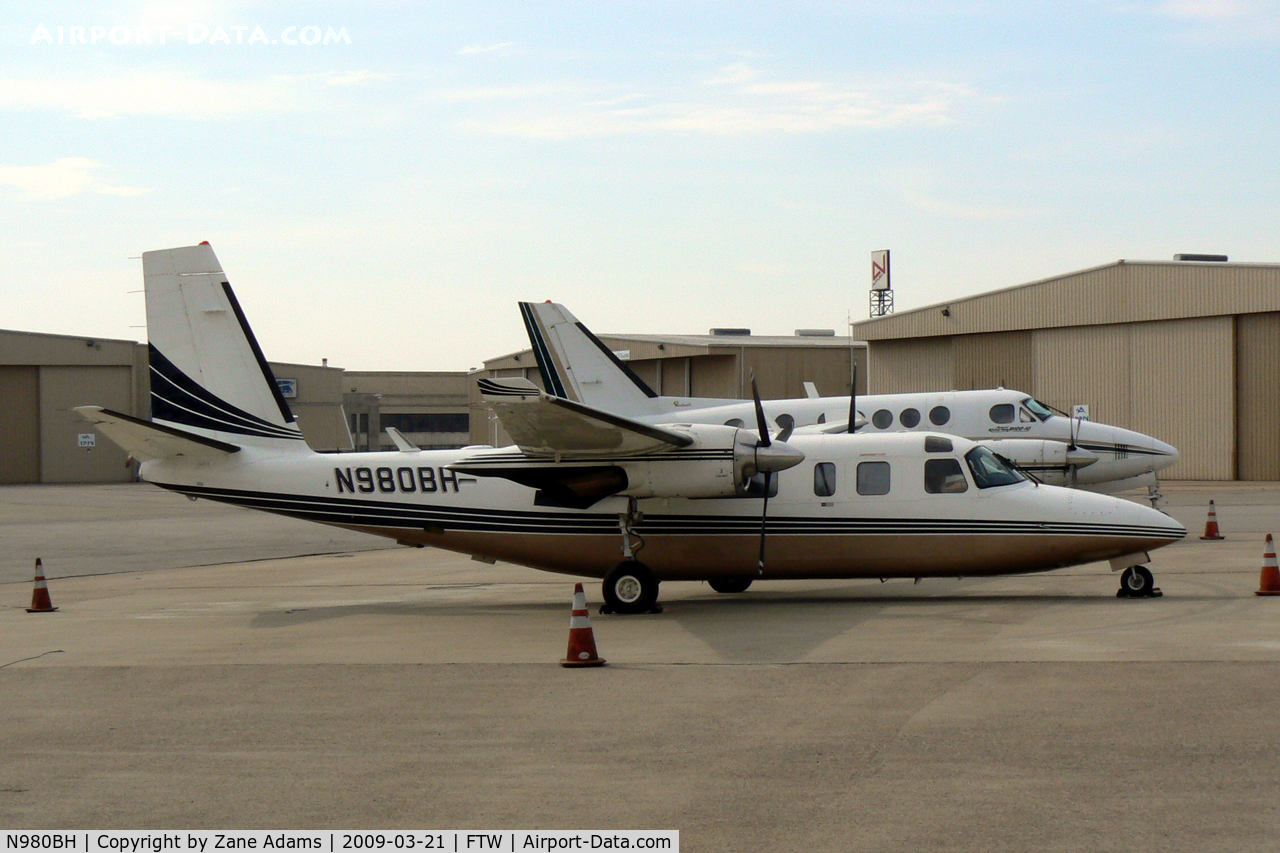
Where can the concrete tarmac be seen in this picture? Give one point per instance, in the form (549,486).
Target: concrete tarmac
(419,689)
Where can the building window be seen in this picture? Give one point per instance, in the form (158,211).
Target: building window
(910,418)
(939,415)
(408,422)
(944,477)
(882,419)
(824,479)
(1002,413)
(873,478)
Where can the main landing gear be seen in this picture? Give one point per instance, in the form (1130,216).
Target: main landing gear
(730,585)
(630,587)
(1138,582)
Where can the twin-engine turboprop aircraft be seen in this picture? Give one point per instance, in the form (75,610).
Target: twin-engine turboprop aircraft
(1055,449)
(588,492)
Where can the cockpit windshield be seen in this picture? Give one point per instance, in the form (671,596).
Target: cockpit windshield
(1040,410)
(989,471)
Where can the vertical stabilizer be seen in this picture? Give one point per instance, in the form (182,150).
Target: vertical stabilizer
(577,365)
(207,373)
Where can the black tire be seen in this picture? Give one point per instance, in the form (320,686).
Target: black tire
(630,588)
(1137,582)
(730,585)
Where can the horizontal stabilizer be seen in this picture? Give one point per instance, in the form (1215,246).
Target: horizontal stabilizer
(145,440)
(546,425)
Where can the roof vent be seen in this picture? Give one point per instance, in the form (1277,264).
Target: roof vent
(1213,259)
(726,333)
(815,333)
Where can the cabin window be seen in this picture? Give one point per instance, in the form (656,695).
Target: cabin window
(989,470)
(910,418)
(939,415)
(873,478)
(1002,413)
(882,419)
(944,477)
(937,444)
(824,479)
(735,422)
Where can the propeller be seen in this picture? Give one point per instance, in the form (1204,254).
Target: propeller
(770,456)
(1073,469)
(763,441)
(853,399)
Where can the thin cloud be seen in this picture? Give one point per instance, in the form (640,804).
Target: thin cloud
(166,93)
(472,49)
(62,178)
(358,78)
(1208,10)
(734,101)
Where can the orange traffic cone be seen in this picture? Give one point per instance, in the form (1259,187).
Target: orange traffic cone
(1269,583)
(1211,526)
(582,641)
(40,602)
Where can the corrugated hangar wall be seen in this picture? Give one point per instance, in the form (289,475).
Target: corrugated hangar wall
(1207,385)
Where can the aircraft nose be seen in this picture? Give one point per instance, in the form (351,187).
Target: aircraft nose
(1166,454)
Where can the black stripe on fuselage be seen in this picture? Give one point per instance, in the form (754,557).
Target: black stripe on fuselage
(376,513)
(1128,449)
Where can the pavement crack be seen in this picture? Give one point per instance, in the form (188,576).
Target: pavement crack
(33,657)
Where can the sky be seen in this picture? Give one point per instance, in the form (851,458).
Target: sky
(382,182)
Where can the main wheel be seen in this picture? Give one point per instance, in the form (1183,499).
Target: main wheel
(1136,582)
(730,584)
(630,588)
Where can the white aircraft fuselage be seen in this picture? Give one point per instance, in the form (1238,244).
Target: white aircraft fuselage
(1125,459)
(416,499)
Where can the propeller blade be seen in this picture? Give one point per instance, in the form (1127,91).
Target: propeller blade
(764,517)
(761,423)
(853,398)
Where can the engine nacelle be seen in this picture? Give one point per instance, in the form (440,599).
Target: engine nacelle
(719,464)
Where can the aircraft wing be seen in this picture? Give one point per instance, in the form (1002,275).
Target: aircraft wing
(145,440)
(553,426)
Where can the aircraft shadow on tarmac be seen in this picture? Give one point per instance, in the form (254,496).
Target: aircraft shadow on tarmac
(761,625)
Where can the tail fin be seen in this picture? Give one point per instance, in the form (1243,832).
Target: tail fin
(577,365)
(208,375)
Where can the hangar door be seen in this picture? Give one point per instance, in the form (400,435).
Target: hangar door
(65,459)
(1258,396)
(19,425)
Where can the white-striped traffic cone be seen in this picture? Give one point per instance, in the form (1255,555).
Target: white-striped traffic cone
(582,640)
(1269,583)
(1211,526)
(40,602)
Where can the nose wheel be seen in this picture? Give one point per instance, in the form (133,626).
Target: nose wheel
(1138,582)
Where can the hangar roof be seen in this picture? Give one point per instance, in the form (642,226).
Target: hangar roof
(1120,292)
